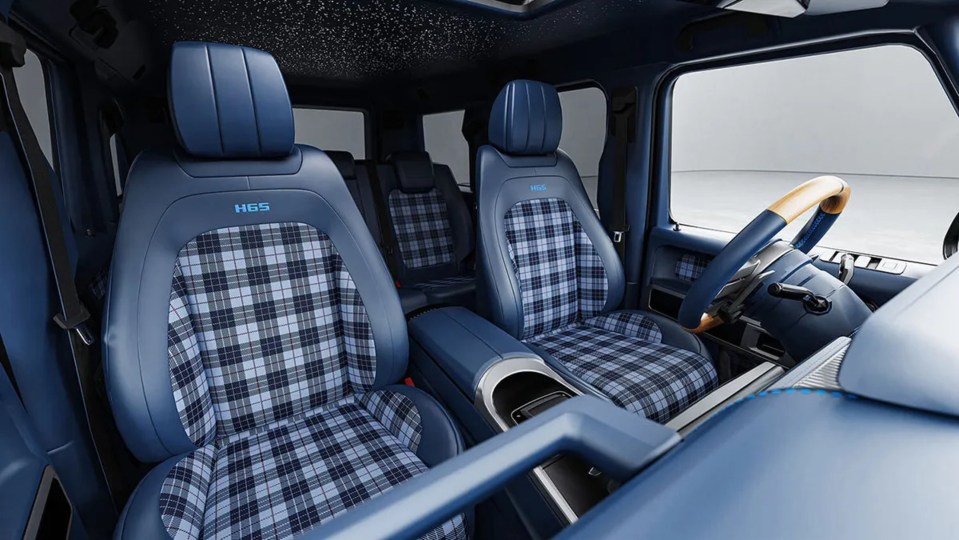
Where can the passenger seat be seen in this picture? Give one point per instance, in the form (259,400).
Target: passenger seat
(253,336)
(432,230)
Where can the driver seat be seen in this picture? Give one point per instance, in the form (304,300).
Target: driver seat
(551,277)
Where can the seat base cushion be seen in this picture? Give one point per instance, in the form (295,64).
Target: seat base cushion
(288,477)
(622,356)
(455,290)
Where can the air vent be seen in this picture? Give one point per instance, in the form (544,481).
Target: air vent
(820,371)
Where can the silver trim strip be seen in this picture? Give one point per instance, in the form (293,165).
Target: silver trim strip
(483,402)
(727,393)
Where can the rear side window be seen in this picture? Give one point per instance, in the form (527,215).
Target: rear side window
(32,87)
(443,139)
(879,118)
(584,133)
(329,129)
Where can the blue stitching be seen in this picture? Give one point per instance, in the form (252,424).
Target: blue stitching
(819,217)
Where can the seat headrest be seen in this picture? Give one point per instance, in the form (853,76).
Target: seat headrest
(229,102)
(414,171)
(526,119)
(344,163)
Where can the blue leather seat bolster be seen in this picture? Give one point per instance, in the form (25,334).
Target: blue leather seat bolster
(673,334)
(141,515)
(357,181)
(526,119)
(504,183)
(441,438)
(165,209)
(229,102)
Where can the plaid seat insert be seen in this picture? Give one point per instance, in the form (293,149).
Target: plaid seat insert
(292,476)
(636,373)
(422,226)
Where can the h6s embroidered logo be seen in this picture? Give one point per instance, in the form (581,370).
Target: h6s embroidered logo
(537,187)
(251,207)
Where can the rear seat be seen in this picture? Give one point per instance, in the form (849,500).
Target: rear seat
(432,230)
(357,178)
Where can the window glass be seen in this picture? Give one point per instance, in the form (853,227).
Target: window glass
(443,138)
(584,133)
(32,87)
(879,118)
(329,129)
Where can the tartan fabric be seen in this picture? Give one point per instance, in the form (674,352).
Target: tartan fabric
(689,267)
(398,413)
(628,323)
(653,379)
(442,283)
(183,494)
(294,475)
(422,225)
(265,324)
(561,277)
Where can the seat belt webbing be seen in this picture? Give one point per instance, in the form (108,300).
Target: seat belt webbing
(624,132)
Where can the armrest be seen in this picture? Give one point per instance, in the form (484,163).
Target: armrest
(464,344)
(618,442)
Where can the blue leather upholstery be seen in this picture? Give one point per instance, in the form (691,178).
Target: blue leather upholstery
(431,226)
(251,361)
(550,276)
(526,119)
(229,102)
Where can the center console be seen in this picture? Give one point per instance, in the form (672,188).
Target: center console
(492,383)
(470,361)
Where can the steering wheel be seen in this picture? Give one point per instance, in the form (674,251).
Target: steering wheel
(697,313)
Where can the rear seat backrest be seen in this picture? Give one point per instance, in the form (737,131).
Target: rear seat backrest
(430,220)
(357,178)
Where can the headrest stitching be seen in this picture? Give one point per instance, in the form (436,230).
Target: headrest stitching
(256,115)
(216,102)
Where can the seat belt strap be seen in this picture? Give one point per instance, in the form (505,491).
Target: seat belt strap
(624,132)
(73,316)
(385,222)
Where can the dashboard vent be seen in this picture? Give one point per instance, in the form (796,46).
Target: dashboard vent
(825,376)
(821,370)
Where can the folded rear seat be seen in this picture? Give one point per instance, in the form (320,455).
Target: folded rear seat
(432,229)
(357,178)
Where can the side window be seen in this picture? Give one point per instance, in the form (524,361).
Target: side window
(584,133)
(443,138)
(32,87)
(878,117)
(329,129)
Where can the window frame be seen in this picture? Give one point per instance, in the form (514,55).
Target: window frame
(463,186)
(585,85)
(367,134)
(661,143)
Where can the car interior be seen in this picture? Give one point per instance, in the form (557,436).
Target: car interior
(479,269)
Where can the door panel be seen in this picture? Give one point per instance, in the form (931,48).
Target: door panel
(32,501)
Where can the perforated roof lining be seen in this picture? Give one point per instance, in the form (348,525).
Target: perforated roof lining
(357,41)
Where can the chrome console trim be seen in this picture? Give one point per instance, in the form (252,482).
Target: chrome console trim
(483,402)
